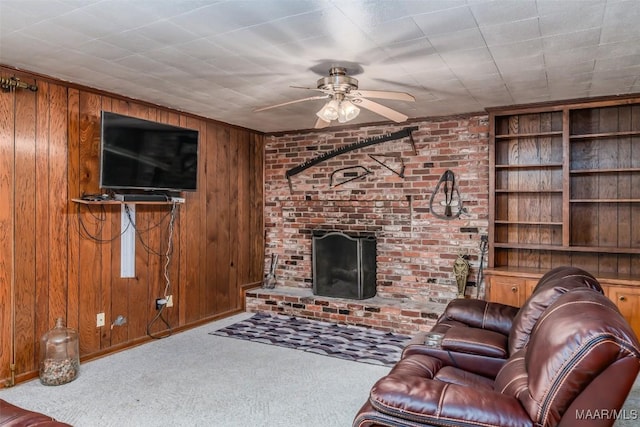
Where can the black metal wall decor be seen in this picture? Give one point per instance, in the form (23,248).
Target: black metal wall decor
(406,132)
(446,184)
(350,173)
(382,163)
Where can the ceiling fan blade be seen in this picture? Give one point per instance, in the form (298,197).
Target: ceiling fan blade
(321,124)
(291,102)
(382,94)
(327,91)
(380,109)
(304,87)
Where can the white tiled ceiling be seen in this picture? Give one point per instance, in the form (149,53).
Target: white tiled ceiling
(223,59)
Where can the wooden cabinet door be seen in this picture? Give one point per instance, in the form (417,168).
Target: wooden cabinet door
(530,285)
(628,301)
(507,290)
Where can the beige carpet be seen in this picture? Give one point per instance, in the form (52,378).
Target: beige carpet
(196,379)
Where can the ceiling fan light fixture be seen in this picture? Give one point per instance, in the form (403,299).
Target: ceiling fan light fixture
(343,100)
(330,111)
(347,111)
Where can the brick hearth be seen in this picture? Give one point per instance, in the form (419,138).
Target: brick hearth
(387,314)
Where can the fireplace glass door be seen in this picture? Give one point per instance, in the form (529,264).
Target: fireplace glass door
(344,266)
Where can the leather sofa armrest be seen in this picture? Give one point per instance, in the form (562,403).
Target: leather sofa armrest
(419,399)
(481,314)
(476,341)
(478,364)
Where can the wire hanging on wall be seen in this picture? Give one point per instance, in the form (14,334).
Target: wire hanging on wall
(167,278)
(172,215)
(100,219)
(139,232)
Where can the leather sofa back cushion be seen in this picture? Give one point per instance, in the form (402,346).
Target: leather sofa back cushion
(481,314)
(476,341)
(553,284)
(577,338)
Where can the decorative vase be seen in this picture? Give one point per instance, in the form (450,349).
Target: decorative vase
(461,272)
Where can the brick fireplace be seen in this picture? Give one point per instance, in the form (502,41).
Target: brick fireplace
(382,190)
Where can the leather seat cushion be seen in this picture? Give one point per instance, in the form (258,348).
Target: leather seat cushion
(411,395)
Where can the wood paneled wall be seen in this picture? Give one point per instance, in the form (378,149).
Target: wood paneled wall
(62,259)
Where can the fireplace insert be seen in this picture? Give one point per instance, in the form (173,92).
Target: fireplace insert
(344,266)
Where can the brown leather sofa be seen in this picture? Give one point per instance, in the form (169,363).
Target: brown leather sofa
(479,335)
(14,416)
(577,368)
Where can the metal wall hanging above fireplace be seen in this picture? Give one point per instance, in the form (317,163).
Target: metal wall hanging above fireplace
(344,266)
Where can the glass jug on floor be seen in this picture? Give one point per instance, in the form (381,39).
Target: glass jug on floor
(59,355)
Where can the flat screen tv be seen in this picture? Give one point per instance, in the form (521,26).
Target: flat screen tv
(140,154)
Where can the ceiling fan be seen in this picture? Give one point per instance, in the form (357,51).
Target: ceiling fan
(344,99)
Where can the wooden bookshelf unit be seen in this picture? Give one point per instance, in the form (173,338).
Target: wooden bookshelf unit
(564,189)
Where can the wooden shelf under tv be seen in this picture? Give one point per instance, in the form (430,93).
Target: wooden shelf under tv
(123,202)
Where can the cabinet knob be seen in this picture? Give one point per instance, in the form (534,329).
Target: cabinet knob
(514,289)
(622,298)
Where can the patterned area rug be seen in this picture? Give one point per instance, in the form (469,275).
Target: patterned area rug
(330,339)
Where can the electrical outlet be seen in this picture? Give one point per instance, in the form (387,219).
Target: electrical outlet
(170,301)
(100,320)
